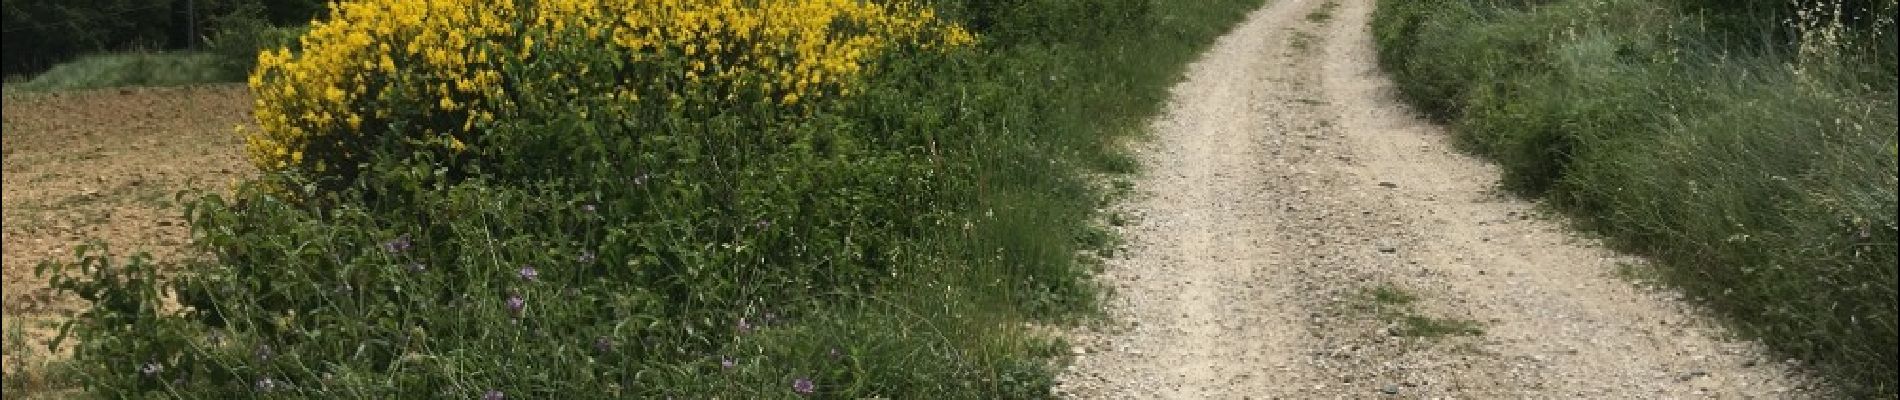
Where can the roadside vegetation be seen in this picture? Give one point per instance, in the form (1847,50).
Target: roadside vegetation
(1749,146)
(1397,308)
(773,200)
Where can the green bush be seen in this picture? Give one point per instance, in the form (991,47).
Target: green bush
(132,69)
(515,88)
(239,35)
(895,242)
(1755,159)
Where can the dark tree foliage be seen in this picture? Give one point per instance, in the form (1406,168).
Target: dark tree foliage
(40,33)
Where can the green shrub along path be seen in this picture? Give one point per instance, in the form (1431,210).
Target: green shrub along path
(902,241)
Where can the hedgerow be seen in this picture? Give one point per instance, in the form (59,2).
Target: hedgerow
(843,199)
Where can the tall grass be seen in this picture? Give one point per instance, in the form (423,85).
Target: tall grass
(230,55)
(1754,157)
(132,69)
(899,243)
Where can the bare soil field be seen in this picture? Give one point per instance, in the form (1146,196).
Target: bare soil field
(104,165)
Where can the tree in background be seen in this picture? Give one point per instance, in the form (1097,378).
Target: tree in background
(41,33)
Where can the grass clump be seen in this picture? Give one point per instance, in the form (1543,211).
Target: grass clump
(1323,13)
(1388,295)
(1423,326)
(635,221)
(1396,306)
(1750,149)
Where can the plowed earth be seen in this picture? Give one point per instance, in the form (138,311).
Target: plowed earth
(105,165)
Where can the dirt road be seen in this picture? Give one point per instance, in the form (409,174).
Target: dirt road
(1300,234)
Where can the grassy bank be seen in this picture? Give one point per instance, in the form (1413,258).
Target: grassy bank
(900,241)
(1749,147)
(229,57)
(131,69)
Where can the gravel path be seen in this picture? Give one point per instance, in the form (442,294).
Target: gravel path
(1298,233)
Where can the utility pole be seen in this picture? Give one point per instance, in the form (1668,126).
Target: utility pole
(191,25)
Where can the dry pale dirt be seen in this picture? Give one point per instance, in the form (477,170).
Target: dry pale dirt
(1286,185)
(104,165)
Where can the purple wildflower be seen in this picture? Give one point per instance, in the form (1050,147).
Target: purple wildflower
(727,362)
(803,386)
(744,326)
(587,207)
(528,273)
(515,304)
(418,267)
(266,384)
(763,223)
(264,353)
(398,245)
(603,344)
(586,257)
(493,394)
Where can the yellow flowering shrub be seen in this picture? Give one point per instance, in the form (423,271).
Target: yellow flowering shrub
(431,74)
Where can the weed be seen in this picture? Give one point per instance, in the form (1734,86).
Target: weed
(1323,13)
(1422,326)
(1398,307)
(1388,295)
(30,371)
(1302,41)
